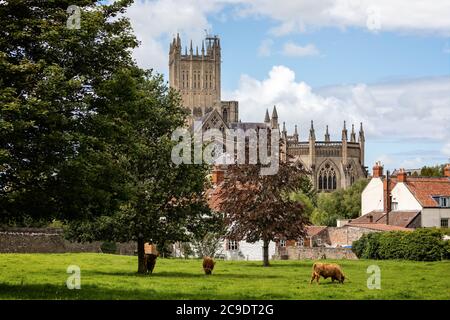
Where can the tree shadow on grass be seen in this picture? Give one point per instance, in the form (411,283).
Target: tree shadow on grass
(170,274)
(52,292)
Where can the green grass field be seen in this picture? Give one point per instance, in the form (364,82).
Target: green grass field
(43,276)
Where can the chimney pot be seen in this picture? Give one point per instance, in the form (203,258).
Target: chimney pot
(401,176)
(447,170)
(377,170)
(217,176)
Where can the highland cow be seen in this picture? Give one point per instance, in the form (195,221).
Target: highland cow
(208,265)
(150,261)
(327,270)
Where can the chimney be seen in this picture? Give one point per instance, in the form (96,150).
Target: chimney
(387,196)
(401,175)
(370,218)
(447,170)
(217,176)
(377,170)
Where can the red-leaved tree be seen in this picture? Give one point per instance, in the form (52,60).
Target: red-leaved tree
(258,207)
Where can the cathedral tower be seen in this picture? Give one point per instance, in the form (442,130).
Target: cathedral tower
(196,75)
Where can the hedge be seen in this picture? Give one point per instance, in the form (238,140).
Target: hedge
(419,245)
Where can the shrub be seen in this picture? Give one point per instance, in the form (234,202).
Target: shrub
(108,247)
(419,245)
(425,245)
(393,245)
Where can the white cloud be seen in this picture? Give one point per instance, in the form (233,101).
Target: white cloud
(413,110)
(155,22)
(265,48)
(446,149)
(380,15)
(291,49)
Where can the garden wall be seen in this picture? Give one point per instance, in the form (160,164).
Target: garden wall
(48,240)
(315,253)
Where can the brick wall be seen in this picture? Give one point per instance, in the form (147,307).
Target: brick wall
(46,240)
(299,253)
(346,235)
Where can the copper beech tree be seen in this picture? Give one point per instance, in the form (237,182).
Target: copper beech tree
(258,207)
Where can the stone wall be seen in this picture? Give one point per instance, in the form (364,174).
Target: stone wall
(299,253)
(344,236)
(47,240)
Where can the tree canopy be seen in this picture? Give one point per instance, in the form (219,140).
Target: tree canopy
(259,207)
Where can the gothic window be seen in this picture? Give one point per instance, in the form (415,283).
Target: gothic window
(225,115)
(214,121)
(327,178)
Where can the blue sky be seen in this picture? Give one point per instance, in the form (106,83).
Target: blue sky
(327,61)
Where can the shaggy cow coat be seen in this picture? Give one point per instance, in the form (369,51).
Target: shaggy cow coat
(208,265)
(327,270)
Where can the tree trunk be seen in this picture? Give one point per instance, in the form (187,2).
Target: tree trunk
(141,258)
(266,253)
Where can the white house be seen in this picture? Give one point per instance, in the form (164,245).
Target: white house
(410,201)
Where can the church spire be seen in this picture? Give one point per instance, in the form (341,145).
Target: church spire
(295,134)
(274,112)
(190,49)
(353,134)
(274,118)
(361,133)
(203,47)
(312,134)
(267,118)
(284,132)
(327,135)
(178,41)
(344,132)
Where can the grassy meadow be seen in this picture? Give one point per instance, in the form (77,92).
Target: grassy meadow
(104,276)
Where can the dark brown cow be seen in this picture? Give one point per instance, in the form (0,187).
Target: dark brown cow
(327,270)
(208,265)
(150,261)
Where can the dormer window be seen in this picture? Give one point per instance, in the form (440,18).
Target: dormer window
(442,201)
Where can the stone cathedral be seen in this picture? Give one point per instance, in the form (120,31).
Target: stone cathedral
(196,75)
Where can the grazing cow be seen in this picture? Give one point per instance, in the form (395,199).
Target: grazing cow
(327,270)
(150,261)
(208,265)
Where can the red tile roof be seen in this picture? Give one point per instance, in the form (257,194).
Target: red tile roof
(399,218)
(424,189)
(312,231)
(377,226)
(396,218)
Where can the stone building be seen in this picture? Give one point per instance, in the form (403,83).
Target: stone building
(197,76)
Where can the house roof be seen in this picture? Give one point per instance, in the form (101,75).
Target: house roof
(377,226)
(396,218)
(399,218)
(366,217)
(424,189)
(312,231)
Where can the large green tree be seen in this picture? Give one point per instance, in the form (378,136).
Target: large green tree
(85,134)
(49,81)
(163,201)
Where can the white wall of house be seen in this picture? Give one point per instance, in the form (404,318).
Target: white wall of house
(248,251)
(405,199)
(372,196)
(431,217)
